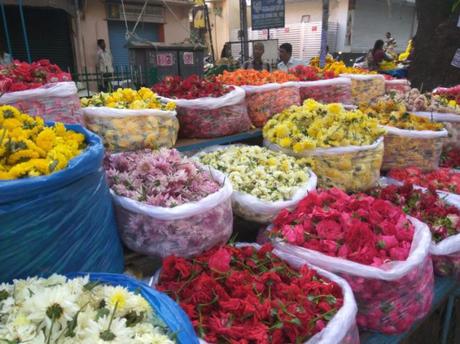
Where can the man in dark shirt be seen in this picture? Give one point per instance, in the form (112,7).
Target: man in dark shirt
(256,62)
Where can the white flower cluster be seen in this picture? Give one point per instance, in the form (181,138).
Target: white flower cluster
(58,310)
(265,174)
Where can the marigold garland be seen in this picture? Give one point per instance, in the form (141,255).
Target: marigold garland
(28,148)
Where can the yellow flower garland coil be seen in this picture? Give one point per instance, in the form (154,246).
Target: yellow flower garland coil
(346,146)
(28,148)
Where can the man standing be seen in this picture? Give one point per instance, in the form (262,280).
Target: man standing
(256,62)
(104,64)
(390,45)
(287,61)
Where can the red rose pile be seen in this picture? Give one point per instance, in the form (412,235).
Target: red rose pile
(245,295)
(311,73)
(359,228)
(191,88)
(451,158)
(20,76)
(428,207)
(443,179)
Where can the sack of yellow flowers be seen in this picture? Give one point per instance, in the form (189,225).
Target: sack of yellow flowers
(451,122)
(130,120)
(409,140)
(346,147)
(366,87)
(55,208)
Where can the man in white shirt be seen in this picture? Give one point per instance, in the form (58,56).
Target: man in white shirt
(104,64)
(287,61)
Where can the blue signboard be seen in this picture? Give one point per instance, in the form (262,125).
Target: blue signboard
(267,14)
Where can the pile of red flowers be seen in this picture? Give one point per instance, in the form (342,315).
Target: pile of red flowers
(359,228)
(428,207)
(388,77)
(191,88)
(311,73)
(451,158)
(20,76)
(245,295)
(451,93)
(443,179)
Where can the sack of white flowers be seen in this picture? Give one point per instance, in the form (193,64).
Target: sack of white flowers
(167,204)
(129,120)
(90,308)
(264,182)
(56,212)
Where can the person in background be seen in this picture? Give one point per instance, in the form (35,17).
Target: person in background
(256,62)
(390,45)
(286,60)
(104,64)
(226,57)
(5,58)
(377,55)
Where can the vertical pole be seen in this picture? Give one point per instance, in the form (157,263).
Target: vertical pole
(244,30)
(324,29)
(208,28)
(5,28)
(24,31)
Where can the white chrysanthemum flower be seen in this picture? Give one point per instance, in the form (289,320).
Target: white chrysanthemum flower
(118,332)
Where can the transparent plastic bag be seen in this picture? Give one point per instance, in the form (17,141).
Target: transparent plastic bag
(390,298)
(417,148)
(166,309)
(56,102)
(213,117)
(129,130)
(337,90)
(451,122)
(185,230)
(399,86)
(267,100)
(366,87)
(251,208)
(341,329)
(353,168)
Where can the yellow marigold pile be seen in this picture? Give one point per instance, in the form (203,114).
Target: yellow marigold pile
(127,98)
(339,67)
(29,148)
(313,125)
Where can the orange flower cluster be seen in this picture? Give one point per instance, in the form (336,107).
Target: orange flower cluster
(243,77)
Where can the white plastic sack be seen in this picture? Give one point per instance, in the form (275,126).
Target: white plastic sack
(390,297)
(341,329)
(351,168)
(211,117)
(337,90)
(129,129)
(185,230)
(254,209)
(451,122)
(406,148)
(58,102)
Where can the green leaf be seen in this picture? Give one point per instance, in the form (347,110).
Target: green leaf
(4,295)
(101,313)
(91,285)
(296,321)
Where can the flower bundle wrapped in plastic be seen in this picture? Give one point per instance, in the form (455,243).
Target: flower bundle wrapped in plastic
(256,294)
(40,89)
(85,309)
(131,120)
(167,204)
(373,245)
(442,218)
(410,140)
(443,179)
(450,93)
(264,181)
(266,93)
(366,88)
(206,108)
(397,86)
(346,146)
(28,148)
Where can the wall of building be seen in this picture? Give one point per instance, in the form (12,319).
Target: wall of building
(176,30)
(338,13)
(373,18)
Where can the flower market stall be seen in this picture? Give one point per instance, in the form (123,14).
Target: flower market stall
(328,223)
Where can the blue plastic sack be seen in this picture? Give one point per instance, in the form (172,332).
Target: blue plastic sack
(62,222)
(166,309)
